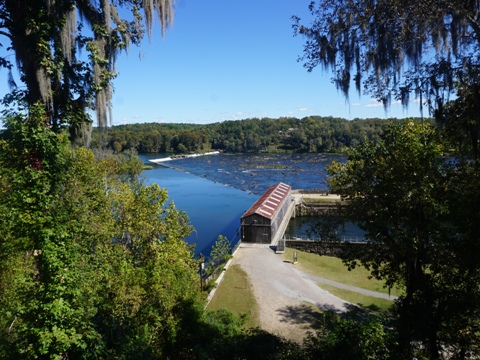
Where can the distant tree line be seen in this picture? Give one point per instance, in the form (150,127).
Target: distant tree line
(309,134)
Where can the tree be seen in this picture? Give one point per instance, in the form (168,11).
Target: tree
(221,250)
(355,335)
(421,215)
(405,196)
(48,38)
(93,262)
(460,122)
(394,49)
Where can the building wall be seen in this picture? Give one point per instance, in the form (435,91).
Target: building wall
(256,229)
(327,248)
(279,215)
(259,229)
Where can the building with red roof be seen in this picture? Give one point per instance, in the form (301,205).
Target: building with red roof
(266,217)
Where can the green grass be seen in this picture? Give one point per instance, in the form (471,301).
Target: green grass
(372,303)
(333,269)
(235,294)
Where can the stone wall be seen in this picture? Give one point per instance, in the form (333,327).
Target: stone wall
(305,209)
(326,248)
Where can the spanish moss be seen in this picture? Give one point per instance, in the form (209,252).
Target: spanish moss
(47,53)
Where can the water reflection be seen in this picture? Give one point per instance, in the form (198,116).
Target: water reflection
(309,227)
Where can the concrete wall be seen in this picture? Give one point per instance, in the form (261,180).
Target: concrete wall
(313,209)
(326,248)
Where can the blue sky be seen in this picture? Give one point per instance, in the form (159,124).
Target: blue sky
(229,60)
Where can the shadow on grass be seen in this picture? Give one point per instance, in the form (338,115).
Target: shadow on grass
(308,315)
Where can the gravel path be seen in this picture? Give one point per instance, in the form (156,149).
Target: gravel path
(349,287)
(282,292)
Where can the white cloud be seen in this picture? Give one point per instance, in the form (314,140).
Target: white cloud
(373,103)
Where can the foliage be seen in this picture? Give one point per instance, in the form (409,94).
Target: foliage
(356,335)
(65,52)
(93,261)
(460,121)
(221,250)
(397,48)
(405,194)
(420,209)
(310,134)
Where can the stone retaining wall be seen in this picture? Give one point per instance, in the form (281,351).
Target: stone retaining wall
(326,248)
(314,209)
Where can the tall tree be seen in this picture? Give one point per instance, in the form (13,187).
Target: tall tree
(395,49)
(92,262)
(48,37)
(405,195)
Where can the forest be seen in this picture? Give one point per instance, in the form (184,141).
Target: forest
(315,134)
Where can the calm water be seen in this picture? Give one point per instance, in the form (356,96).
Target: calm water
(213,208)
(216,190)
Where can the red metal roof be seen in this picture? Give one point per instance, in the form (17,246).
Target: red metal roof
(270,201)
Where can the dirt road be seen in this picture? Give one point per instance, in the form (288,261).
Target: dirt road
(284,293)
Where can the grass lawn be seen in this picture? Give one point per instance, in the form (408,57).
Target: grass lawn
(372,303)
(235,294)
(333,269)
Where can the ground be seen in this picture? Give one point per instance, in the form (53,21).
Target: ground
(288,298)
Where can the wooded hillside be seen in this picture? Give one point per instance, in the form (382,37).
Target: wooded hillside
(309,134)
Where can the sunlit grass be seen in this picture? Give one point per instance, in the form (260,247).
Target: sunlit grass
(333,269)
(372,303)
(235,293)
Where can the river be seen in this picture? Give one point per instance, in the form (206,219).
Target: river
(216,190)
